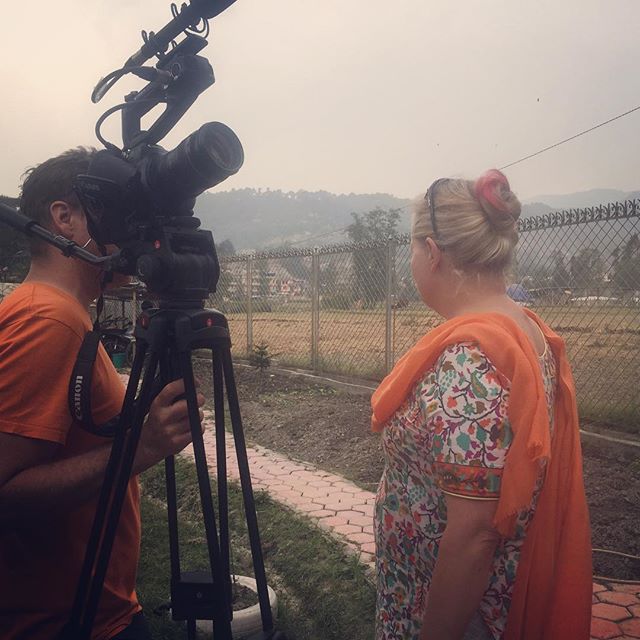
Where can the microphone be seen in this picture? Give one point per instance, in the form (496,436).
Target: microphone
(189,15)
(156,43)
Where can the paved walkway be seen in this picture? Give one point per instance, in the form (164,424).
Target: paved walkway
(346,511)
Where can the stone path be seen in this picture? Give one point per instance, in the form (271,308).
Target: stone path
(346,511)
(333,503)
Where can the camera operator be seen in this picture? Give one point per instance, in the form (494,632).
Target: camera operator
(50,469)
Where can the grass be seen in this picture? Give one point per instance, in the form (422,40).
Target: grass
(323,592)
(624,418)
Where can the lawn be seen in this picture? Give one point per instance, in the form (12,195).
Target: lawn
(323,592)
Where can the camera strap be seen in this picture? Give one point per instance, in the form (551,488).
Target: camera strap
(79,394)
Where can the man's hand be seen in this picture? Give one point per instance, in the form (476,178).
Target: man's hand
(166,430)
(34,481)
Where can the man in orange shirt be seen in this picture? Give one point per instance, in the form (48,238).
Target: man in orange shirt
(50,469)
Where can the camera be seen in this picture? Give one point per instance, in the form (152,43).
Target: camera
(141,197)
(143,203)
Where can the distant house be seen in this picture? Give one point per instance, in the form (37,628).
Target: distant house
(292,287)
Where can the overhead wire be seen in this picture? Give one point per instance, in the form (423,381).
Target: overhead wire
(577,135)
(506,166)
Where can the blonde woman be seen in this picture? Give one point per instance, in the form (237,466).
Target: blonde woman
(482,528)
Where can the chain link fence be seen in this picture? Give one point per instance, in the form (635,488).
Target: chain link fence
(352,309)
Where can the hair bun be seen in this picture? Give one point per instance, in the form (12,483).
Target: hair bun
(499,203)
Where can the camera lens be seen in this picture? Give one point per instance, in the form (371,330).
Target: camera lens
(201,161)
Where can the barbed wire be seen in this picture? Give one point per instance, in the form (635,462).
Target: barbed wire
(560,218)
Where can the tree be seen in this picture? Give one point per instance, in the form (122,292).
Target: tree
(369,265)
(263,281)
(225,248)
(334,293)
(587,269)
(626,268)
(560,276)
(378,225)
(14,249)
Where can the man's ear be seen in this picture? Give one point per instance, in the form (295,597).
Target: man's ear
(435,254)
(61,218)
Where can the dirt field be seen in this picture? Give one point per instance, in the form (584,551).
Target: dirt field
(330,428)
(603,345)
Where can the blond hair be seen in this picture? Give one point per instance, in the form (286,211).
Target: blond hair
(476,222)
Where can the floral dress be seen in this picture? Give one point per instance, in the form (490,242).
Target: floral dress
(451,435)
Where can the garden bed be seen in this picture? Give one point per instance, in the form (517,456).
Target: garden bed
(329,427)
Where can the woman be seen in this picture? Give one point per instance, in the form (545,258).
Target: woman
(482,529)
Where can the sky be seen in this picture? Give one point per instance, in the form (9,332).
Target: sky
(359,96)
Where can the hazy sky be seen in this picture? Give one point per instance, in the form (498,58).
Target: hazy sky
(352,95)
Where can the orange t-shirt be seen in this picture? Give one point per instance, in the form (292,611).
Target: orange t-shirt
(41,330)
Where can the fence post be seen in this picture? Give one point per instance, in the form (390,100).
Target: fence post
(388,343)
(315,307)
(249,278)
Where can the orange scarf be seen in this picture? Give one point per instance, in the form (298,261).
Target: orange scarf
(552,594)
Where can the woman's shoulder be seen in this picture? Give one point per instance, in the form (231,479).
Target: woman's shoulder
(462,364)
(462,356)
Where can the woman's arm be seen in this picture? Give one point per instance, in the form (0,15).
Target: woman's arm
(462,570)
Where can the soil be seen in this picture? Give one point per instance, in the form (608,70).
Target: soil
(328,425)
(243,597)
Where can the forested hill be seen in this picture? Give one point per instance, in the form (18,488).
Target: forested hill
(253,218)
(262,219)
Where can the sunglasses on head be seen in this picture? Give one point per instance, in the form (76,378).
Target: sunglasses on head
(430,198)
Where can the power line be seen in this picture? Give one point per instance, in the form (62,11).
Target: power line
(506,166)
(577,135)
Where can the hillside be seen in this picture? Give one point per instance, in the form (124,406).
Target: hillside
(262,219)
(253,218)
(583,198)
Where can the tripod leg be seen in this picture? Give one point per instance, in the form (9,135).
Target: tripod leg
(106,492)
(221,453)
(221,606)
(120,484)
(171,491)
(247,491)
(172,516)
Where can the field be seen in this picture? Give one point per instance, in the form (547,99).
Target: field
(603,343)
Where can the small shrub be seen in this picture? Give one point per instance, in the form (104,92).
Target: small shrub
(260,358)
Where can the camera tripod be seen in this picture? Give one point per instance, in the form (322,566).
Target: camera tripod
(168,335)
